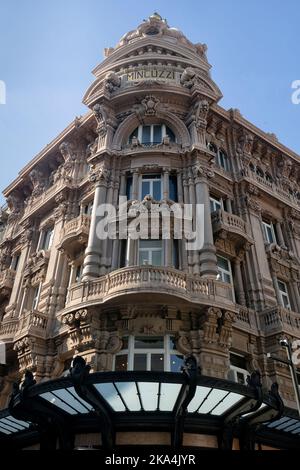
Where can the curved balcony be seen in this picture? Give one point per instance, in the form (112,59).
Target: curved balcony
(231,226)
(164,147)
(8,329)
(151,280)
(75,234)
(278,319)
(32,323)
(7,278)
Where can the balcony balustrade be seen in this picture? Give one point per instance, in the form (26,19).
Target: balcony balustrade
(278,319)
(7,278)
(32,323)
(152,280)
(75,233)
(227,225)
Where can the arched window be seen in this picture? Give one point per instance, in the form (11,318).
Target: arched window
(221,157)
(252,167)
(152,134)
(152,353)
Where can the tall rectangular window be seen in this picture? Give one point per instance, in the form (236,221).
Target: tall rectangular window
(15,262)
(173,190)
(129,188)
(215,204)
(284,295)
(46,239)
(224,269)
(151,185)
(36,296)
(150,252)
(269,232)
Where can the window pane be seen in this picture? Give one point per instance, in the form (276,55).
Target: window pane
(282,286)
(146,135)
(157,362)
(173,188)
(226,278)
(145,188)
(121,362)
(156,190)
(157,135)
(171,134)
(223,263)
(176,363)
(129,187)
(149,343)
(150,244)
(140,362)
(156,258)
(143,257)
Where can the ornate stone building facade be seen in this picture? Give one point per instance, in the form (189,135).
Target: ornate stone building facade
(154,132)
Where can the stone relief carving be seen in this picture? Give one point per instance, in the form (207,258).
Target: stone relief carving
(112,81)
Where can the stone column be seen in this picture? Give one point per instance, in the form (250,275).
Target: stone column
(281,241)
(295,288)
(208,259)
(240,293)
(179,187)
(229,205)
(91,265)
(122,184)
(168,252)
(135,185)
(193,256)
(166,184)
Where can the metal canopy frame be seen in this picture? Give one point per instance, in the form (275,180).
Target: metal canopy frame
(108,402)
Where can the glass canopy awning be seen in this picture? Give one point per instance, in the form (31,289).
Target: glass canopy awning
(103,402)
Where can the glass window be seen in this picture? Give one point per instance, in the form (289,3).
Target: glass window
(224,270)
(88,208)
(269,232)
(215,204)
(36,297)
(150,252)
(78,274)
(15,262)
(223,160)
(152,134)
(46,239)
(157,134)
(129,188)
(173,190)
(146,135)
(152,353)
(284,295)
(238,369)
(151,185)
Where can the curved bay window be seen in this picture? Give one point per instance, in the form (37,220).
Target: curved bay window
(150,353)
(152,134)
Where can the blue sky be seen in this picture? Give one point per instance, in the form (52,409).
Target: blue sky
(48,49)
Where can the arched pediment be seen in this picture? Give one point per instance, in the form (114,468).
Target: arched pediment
(132,122)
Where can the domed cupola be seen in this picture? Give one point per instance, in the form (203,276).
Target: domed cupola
(153,55)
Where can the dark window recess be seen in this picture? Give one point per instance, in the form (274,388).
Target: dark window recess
(123,253)
(171,134)
(238,361)
(175,254)
(173,188)
(129,188)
